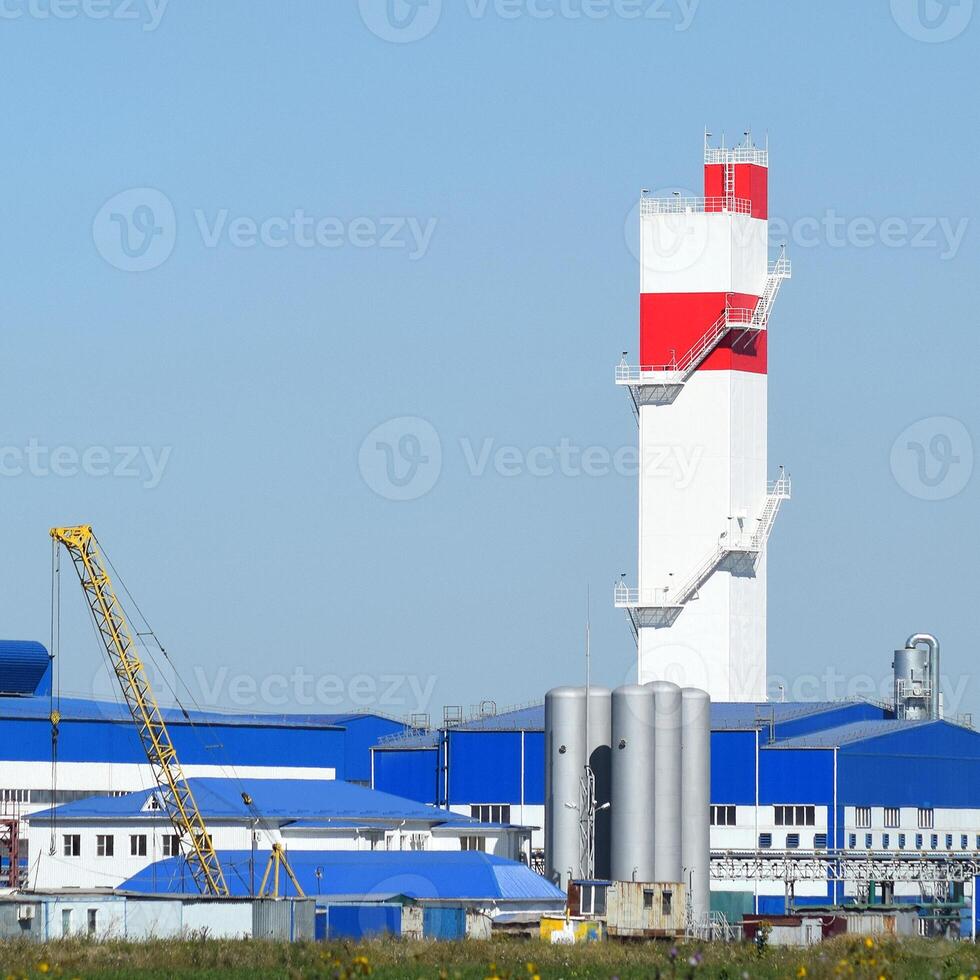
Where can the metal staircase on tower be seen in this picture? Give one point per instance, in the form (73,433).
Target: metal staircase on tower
(661,606)
(659,383)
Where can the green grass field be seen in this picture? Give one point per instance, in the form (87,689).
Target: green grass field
(508,959)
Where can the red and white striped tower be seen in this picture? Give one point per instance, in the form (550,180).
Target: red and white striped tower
(700,396)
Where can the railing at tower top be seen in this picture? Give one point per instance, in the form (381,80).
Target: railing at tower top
(736,154)
(695,205)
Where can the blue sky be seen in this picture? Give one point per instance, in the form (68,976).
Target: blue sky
(363,213)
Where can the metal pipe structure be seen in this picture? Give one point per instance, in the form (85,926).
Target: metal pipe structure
(915,640)
(633,807)
(667,816)
(696,798)
(565,757)
(599,749)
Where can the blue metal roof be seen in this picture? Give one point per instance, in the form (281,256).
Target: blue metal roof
(280,800)
(23,666)
(85,709)
(858,731)
(441,875)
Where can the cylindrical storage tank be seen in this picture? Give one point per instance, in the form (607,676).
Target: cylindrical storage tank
(564,766)
(667,781)
(632,811)
(696,798)
(599,748)
(912,695)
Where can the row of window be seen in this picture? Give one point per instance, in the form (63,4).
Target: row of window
(54,796)
(793,841)
(886,841)
(491,812)
(925,817)
(105,845)
(785,816)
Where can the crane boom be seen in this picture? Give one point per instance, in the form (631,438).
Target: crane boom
(176,796)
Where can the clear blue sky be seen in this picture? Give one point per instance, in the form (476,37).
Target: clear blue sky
(504,153)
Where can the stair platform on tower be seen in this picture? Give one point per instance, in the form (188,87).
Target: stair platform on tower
(661,606)
(661,383)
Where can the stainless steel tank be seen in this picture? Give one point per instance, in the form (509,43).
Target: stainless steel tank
(696,797)
(564,766)
(632,812)
(667,781)
(913,694)
(599,749)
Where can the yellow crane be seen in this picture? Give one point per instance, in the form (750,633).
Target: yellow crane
(175,793)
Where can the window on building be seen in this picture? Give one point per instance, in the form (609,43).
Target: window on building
(137,845)
(66,926)
(592,899)
(934,841)
(666,903)
(765,840)
(852,840)
(926,818)
(792,841)
(918,841)
(648,896)
(964,842)
(868,841)
(15,796)
(171,845)
(893,816)
(886,841)
(795,816)
(819,841)
(949,842)
(153,803)
(104,845)
(72,845)
(723,816)
(901,842)
(491,812)
(862,816)
(472,843)
(93,921)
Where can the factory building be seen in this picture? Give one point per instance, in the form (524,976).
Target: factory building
(103,841)
(99,751)
(788,780)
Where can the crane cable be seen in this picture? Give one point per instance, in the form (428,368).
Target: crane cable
(55,691)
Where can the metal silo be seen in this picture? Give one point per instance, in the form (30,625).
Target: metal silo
(667,781)
(632,812)
(696,797)
(565,739)
(599,742)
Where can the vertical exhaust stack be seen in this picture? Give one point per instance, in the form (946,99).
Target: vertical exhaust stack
(917,678)
(565,755)
(696,798)
(633,766)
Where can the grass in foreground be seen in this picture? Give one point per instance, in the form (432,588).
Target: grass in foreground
(505,959)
